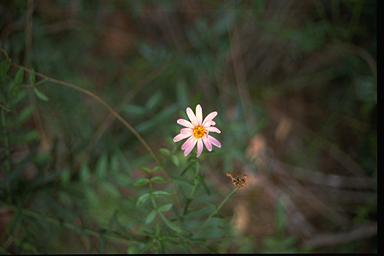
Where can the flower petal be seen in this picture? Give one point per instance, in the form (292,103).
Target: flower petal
(214,141)
(207,143)
(187,142)
(213,129)
(180,137)
(191,116)
(199,147)
(210,117)
(185,123)
(209,123)
(186,131)
(191,144)
(199,114)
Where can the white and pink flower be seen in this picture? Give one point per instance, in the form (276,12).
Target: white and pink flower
(197,131)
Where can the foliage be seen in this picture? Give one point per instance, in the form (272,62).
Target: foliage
(74,177)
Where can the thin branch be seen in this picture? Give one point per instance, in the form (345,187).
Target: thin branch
(102,102)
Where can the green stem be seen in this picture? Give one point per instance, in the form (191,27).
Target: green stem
(195,186)
(218,208)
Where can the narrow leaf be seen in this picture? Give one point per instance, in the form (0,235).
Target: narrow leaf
(171,225)
(151,216)
(158,179)
(161,193)
(40,95)
(165,208)
(141,182)
(142,199)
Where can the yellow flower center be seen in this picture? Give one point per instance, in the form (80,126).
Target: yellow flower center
(199,131)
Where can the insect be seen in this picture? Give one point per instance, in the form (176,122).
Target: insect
(238,181)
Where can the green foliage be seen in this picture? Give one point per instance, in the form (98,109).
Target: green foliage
(73,178)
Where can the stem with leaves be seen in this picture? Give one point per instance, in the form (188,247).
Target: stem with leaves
(218,208)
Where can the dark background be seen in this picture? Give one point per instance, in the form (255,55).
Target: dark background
(294,83)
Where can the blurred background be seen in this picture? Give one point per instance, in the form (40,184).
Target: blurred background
(294,83)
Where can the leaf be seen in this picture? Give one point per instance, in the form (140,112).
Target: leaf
(101,168)
(165,208)
(151,216)
(146,169)
(4,67)
(186,168)
(158,179)
(280,216)
(85,173)
(165,152)
(157,120)
(40,95)
(65,176)
(153,101)
(32,77)
(141,182)
(114,164)
(110,189)
(171,225)
(150,171)
(202,180)
(161,193)
(29,136)
(134,110)
(25,114)
(182,93)
(17,81)
(175,160)
(142,199)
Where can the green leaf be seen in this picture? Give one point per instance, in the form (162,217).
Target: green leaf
(85,173)
(151,216)
(142,199)
(29,136)
(141,182)
(102,166)
(175,160)
(157,120)
(165,152)
(280,216)
(17,81)
(187,168)
(4,67)
(171,225)
(158,179)
(40,95)
(161,193)
(154,101)
(110,189)
(115,164)
(32,77)
(165,208)
(182,93)
(65,176)
(149,170)
(146,169)
(134,110)
(25,114)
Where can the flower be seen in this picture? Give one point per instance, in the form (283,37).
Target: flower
(197,131)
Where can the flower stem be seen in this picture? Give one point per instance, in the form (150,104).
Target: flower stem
(218,208)
(195,185)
